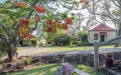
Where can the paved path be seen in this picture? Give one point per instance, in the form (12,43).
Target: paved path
(30,51)
(34,51)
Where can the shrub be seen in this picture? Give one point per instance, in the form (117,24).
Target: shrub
(35,43)
(41,44)
(27,61)
(3,49)
(84,44)
(78,43)
(82,36)
(26,42)
(68,41)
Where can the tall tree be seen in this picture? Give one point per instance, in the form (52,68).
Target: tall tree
(19,18)
(108,10)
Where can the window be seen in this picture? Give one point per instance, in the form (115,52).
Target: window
(95,36)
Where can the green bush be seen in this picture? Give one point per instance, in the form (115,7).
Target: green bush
(34,43)
(68,41)
(65,39)
(76,42)
(26,42)
(83,44)
(82,36)
(27,61)
(3,49)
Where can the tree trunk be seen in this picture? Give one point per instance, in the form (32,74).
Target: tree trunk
(118,32)
(118,41)
(12,53)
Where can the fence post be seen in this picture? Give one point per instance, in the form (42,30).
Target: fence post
(96,57)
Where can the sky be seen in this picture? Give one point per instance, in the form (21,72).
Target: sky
(2,1)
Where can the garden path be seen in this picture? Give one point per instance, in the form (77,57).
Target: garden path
(35,51)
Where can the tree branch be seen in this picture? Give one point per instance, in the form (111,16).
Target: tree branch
(18,40)
(34,28)
(116,4)
(109,41)
(65,6)
(7,31)
(28,16)
(105,15)
(1,6)
(3,38)
(32,10)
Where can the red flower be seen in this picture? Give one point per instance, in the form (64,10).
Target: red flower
(24,22)
(87,3)
(22,4)
(68,21)
(39,9)
(49,21)
(29,35)
(10,0)
(65,26)
(82,1)
(37,18)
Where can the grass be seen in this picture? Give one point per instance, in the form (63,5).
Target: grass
(70,48)
(48,69)
(22,48)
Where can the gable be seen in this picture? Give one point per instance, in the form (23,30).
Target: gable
(102,27)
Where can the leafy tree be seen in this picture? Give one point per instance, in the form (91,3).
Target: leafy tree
(19,18)
(63,39)
(82,36)
(108,11)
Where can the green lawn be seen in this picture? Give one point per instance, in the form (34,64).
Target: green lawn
(48,69)
(70,48)
(22,48)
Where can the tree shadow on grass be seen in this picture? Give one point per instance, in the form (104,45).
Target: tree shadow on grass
(48,69)
(45,69)
(87,69)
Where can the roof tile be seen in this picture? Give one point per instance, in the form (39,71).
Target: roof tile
(101,27)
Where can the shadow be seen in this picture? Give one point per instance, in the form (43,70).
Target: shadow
(79,46)
(45,69)
(87,69)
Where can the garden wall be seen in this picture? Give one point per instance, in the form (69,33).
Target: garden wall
(80,57)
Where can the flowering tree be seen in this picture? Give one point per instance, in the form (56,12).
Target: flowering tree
(19,18)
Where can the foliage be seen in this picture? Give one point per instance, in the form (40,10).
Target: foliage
(27,61)
(3,49)
(35,43)
(63,39)
(68,41)
(82,36)
(74,39)
(46,69)
(20,18)
(83,44)
(26,42)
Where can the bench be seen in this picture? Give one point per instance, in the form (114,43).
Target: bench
(78,71)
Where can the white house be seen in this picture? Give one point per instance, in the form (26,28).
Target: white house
(101,33)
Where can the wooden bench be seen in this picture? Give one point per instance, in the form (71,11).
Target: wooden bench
(78,71)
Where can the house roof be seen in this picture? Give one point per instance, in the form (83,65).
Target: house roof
(101,27)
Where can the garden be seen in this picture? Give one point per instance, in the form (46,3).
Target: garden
(65,26)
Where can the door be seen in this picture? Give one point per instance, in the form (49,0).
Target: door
(102,38)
